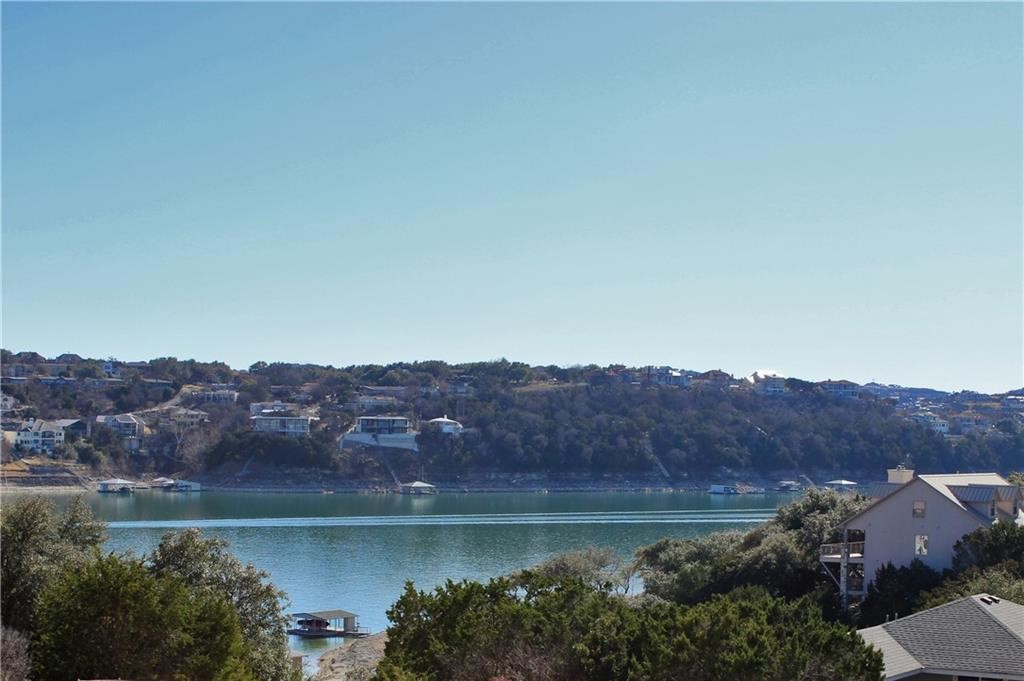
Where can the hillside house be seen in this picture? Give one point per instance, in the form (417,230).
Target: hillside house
(271,408)
(289,426)
(917,517)
(447,425)
(124,425)
(37,435)
(770,385)
(930,420)
(215,396)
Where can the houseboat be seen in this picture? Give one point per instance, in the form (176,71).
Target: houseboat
(723,489)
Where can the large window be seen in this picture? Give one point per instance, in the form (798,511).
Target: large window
(918,509)
(921,545)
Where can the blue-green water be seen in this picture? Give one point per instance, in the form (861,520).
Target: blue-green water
(356,551)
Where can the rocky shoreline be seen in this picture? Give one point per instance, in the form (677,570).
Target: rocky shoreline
(354,660)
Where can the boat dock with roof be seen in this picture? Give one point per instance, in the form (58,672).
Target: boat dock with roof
(327,624)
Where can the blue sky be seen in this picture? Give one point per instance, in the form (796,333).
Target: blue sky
(826,190)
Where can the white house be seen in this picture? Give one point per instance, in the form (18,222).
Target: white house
(447,425)
(770,384)
(289,426)
(216,396)
(383,431)
(919,517)
(37,435)
(932,421)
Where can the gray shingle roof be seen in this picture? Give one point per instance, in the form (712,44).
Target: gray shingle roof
(971,636)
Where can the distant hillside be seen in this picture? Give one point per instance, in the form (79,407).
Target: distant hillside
(540,419)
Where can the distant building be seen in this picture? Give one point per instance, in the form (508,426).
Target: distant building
(973,638)
(716,378)
(383,425)
(841,388)
(271,408)
(664,375)
(932,421)
(289,426)
(447,425)
(124,425)
(770,385)
(37,435)
(215,396)
(396,391)
(917,517)
(188,418)
(382,431)
(371,402)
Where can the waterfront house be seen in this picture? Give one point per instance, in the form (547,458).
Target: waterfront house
(289,426)
(919,517)
(973,638)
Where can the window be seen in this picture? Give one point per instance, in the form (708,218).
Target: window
(992,510)
(921,545)
(918,509)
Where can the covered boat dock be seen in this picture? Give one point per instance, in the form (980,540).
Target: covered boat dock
(327,624)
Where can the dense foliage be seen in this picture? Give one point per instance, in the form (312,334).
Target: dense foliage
(549,419)
(533,627)
(176,614)
(317,451)
(780,556)
(37,543)
(113,617)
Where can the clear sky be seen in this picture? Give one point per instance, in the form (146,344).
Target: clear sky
(824,190)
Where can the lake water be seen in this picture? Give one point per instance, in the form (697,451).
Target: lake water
(355,552)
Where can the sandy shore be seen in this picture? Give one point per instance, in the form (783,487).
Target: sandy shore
(352,661)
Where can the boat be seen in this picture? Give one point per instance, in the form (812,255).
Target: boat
(723,489)
(185,486)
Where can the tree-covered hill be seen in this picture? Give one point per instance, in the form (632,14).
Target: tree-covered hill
(586,420)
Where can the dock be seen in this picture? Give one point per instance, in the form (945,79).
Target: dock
(327,624)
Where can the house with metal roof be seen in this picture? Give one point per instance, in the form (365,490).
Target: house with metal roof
(977,637)
(917,517)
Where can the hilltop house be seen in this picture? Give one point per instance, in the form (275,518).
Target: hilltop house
(917,517)
(973,638)
(841,388)
(770,384)
(716,378)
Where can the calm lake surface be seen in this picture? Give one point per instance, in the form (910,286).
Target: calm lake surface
(355,551)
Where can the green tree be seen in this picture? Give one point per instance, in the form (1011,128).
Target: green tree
(112,618)
(206,564)
(1005,581)
(897,592)
(990,546)
(37,542)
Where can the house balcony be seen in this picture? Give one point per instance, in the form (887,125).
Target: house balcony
(833,553)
